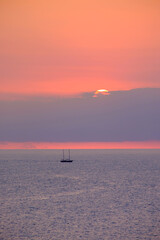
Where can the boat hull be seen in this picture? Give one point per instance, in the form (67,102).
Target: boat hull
(65,160)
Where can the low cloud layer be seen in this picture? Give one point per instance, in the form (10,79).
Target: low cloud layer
(120,116)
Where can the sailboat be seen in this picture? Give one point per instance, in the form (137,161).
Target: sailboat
(66,159)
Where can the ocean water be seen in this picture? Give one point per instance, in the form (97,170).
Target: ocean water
(101,195)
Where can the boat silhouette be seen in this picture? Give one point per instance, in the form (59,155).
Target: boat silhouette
(66,159)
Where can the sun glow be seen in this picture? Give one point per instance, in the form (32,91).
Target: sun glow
(101,92)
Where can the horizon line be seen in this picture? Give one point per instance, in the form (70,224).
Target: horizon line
(81,145)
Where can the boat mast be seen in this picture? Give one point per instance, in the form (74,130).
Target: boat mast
(63,154)
(69,153)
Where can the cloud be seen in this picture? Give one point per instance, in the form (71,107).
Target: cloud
(122,116)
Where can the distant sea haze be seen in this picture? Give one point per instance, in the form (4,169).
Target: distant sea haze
(81,145)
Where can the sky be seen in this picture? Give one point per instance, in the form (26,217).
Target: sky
(55,55)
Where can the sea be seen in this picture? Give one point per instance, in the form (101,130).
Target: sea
(101,195)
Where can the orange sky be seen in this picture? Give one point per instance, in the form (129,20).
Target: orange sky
(68,47)
(72,46)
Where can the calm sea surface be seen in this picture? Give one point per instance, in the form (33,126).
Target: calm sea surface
(102,194)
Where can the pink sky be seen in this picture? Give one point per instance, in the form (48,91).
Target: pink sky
(66,47)
(59,48)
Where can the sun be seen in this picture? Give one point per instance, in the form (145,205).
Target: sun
(101,92)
